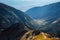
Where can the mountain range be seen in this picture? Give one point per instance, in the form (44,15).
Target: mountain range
(14,23)
(49,15)
(48,12)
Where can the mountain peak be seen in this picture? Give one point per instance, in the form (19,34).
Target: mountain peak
(2,4)
(58,3)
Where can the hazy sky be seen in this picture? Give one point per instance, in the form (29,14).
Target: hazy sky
(24,5)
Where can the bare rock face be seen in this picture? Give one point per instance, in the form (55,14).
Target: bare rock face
(39,36)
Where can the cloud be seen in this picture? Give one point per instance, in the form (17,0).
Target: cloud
(26,0)
(39,22)
(22,0)
(56,21)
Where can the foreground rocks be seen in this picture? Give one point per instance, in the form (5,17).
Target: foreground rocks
(30,35)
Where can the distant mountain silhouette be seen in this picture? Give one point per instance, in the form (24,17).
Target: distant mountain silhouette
(48,12)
